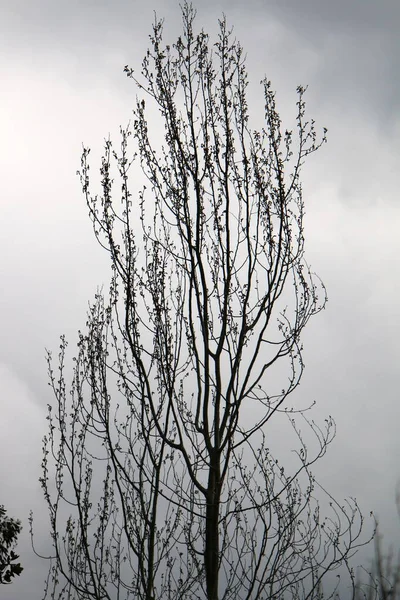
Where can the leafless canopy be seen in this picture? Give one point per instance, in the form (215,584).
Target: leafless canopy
(163,473)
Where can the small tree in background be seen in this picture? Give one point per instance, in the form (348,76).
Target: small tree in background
(165,486)
(9,531)
(383,580)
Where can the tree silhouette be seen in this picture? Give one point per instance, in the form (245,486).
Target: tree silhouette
(9,531)
(382,581)
(165,486)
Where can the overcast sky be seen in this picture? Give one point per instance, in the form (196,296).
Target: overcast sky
(62,84)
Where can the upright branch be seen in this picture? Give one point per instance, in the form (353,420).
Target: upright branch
(177,375)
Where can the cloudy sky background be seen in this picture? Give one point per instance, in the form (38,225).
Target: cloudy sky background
(63,85)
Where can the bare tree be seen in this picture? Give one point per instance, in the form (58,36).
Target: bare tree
(382,581)
(163,471)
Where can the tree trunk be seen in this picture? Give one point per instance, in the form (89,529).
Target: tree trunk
(211,551)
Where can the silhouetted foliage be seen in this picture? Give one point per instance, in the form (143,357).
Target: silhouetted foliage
(157,469)
(9,531)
